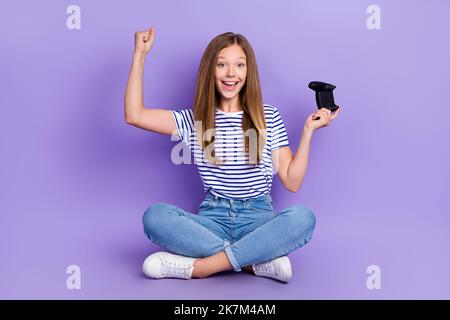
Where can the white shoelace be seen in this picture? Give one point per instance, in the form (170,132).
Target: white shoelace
(175,269)
(265,267)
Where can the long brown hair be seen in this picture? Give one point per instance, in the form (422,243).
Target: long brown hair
(207,97)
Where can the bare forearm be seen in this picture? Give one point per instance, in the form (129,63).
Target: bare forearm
(134,100)
(299,163)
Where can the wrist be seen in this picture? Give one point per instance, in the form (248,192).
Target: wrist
(139,56)
(308,132)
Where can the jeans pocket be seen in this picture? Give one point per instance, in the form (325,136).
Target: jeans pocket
(206,204)
(265,205)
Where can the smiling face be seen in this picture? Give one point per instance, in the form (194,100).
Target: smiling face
(231,71)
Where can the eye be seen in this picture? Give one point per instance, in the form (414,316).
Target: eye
(220,64)
(241,65)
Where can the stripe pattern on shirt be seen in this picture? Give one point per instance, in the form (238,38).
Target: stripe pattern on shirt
(234,179)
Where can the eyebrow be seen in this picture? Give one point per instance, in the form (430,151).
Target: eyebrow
(220,57)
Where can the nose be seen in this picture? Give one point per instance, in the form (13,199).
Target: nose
(230,72)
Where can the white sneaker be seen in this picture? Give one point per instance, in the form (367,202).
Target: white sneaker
(278,269)
(167,265)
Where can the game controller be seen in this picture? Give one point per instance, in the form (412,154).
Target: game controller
(324,95)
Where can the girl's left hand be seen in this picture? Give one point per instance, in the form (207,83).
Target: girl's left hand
(325,119)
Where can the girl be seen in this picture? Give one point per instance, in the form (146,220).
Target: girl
(238,144)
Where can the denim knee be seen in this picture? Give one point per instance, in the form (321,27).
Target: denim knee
(153,216)
(301,220)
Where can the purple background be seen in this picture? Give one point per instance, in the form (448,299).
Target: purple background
(76,179)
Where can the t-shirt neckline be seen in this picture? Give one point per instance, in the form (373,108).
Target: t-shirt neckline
(230,113)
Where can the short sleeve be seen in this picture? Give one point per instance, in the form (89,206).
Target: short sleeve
(279,134)
(184,121)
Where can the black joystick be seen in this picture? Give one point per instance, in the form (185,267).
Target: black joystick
(324,95)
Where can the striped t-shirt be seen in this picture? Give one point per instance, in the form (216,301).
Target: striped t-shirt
(236,179)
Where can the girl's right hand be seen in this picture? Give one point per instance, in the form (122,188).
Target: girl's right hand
(143,41)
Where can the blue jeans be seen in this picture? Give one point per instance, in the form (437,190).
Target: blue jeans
(248,230)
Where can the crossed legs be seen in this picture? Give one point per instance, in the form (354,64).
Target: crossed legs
(198,236)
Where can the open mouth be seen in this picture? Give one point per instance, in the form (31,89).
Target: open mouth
(229,85)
